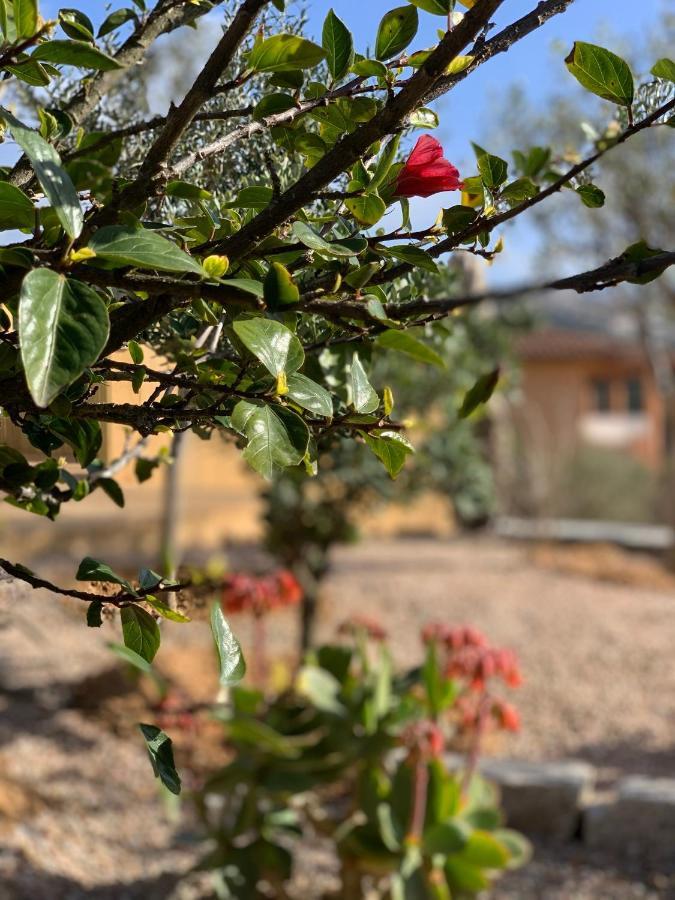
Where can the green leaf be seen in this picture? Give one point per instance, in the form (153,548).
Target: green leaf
(310,395)
(131,657)
(140,631)
(277,437)
(465,878)
(518,846)
(457,218)
(390,447)
(484,850)
(423,118)
(279,287)
(636,253)
(367,209)
(435,7)
(160,750)
(413,255)
(307,236)
(94,611)
(591,195)
(519,190)
(165,610)
(446,838)
(75,53)
(602,72)
(284,53)
(123,245)
(91,569)
(63,327)
(480,393)
(232,662)
(338,43)
(397,29)
(664,68)
(364,397)
(493,170)
(320,687)
(277,348)
(135,352)
(25,17)
(53,178)
(115,20)
(76,24)
(16,210)
(407,343)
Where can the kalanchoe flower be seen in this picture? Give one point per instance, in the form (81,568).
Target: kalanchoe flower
(506,715)
(260,595)
(427,172)
(424,739)
(360,623)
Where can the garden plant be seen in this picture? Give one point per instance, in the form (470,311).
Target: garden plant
(256,308)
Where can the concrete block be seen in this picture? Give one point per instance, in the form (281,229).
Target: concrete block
(640,820)
(542,798)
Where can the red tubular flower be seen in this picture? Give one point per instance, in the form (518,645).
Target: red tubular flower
(424,739)
(426,171)
(507,716)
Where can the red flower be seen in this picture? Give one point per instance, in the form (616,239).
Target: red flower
(362,623)
(424,738)
(426,171)
(260,595)
(507,716)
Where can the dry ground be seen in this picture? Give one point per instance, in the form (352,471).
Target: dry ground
(79,814)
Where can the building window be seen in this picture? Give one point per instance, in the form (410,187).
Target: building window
(601,395)
(634,400)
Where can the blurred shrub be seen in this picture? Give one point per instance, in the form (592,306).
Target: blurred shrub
(607,485)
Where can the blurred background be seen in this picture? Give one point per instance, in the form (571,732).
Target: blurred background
(546,519)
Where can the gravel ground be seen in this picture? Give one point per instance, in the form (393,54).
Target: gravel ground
(80,816)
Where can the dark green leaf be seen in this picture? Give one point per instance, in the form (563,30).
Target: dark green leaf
(63,327)
(53,178)
(131,657)
(479,393)
(390,447)
(493,170)
(140,631)
(277,437)
(436,7)
(314,241)
(122,245)
(277,348)
(415,256)
(160,750)
(519,190)
(280,289)
(94,611)
(76,25)
(364,397)
(75,53)
(310,395)
(397,29)
(367,209)
(16,210)
(25,17)
(591,195)
(284,53)
(664,68)
(602,72)
(232,662)
(115,20)
(446,838)
(407,343)
(339,46)
(91,569)
(165,611)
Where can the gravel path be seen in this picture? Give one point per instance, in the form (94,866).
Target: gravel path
(597,658)
(79,812)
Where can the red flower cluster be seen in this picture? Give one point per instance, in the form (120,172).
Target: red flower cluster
(469,656)
(260,595)
(361,623)
(424,738)
(476,713)
(427,172)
